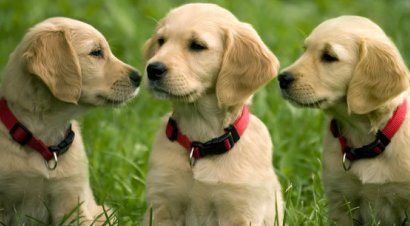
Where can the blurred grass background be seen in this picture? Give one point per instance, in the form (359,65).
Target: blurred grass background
(118,141)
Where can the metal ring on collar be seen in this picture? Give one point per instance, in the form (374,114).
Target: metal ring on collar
(54,166)
(191,157)
(347,164)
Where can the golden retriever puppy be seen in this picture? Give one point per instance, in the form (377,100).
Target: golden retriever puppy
(211,163)
(61,68)
(353,71)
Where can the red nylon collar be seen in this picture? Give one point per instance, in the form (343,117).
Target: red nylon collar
(215,146)
(23,136)
(378,145)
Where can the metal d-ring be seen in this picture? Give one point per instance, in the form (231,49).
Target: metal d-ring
(191,157)
(54,166)
(347,164)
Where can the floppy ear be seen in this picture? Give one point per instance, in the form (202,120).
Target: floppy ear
(51,57)
(149,45)
(149,49)
(247,65)
(379,76)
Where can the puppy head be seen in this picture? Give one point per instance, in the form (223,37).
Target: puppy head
(202,48)
(73,60)
(348,59)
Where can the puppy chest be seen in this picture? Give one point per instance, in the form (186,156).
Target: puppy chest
(18,188)
(389,193)
(20,198)
(390,201)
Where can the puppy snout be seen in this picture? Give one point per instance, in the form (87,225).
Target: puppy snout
(285,79)
(156,71)
(135,78)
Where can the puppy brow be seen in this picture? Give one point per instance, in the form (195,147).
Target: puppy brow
(328,54)
(328,48)
(196,44)
(97,50)
(195,38)
(200,42)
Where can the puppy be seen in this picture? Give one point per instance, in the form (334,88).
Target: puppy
(354,72)
(211,163)
(61,68)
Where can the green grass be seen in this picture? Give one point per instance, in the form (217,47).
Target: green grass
(118,141)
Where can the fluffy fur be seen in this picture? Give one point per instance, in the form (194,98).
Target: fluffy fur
(354,72)
(214,65)
(61,68)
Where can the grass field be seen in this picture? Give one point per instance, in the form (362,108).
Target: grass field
(118,141)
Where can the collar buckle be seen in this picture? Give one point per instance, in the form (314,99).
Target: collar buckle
(63,146)
(214,146)
(382,140)
(233,133)
(370,150)
(20,133)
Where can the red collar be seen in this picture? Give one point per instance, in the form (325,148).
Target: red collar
(378,145)
(23,136)
(215,146)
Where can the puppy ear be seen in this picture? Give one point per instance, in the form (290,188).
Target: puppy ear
(379,76)
(51,57)
(150,46)
(149,49)
(247,65)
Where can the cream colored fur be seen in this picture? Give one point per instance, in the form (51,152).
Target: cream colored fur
(50,79)
(208,89)
(361,90)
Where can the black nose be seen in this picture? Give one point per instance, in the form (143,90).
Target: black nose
(135,78)
(156,71)
(285,80)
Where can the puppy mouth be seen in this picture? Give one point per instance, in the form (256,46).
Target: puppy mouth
(310,103)
(117,101)
(166,94)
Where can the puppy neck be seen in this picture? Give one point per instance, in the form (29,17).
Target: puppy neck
(381,116)
(366,124)
(34,106)
(204,119)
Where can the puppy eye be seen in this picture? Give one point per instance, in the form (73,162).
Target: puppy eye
(195,46)
(161,41)
(97,53)
(326,57)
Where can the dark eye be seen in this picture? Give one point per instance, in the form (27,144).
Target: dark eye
(195,46)
(97,53)
(161,41)
(327,58)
